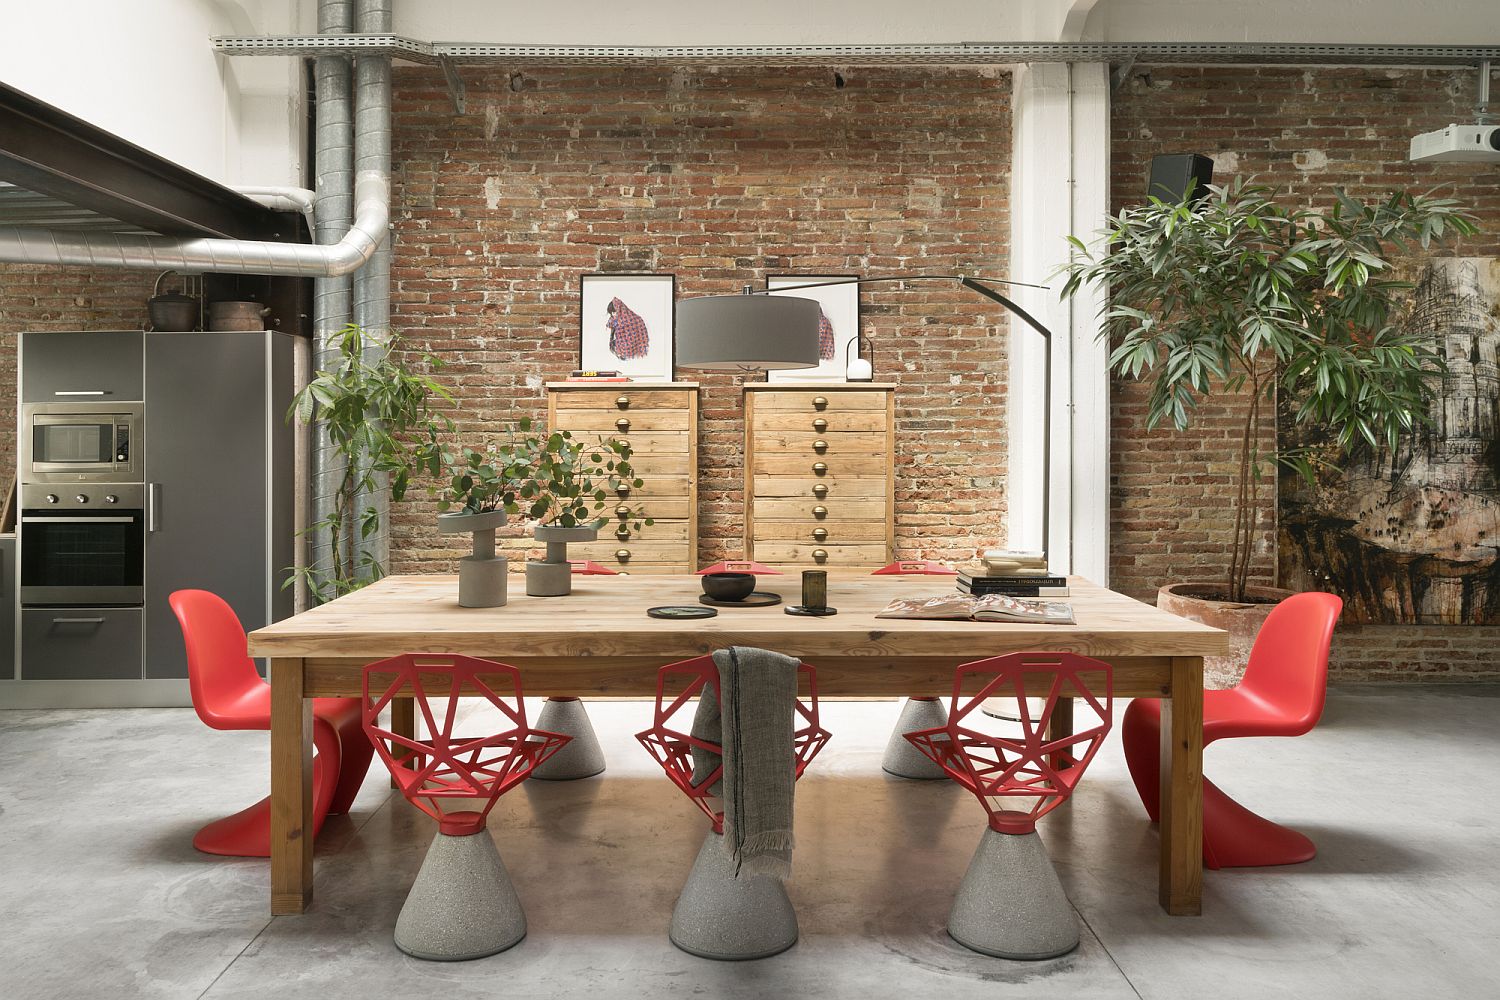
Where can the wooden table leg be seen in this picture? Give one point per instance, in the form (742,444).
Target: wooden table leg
(1181,884)
(403,723)
(1060,726)
(291,789)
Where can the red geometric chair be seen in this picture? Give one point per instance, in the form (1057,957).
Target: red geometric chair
(718,915)
(1281,694)
(1011,903)
(462,904)
(583,757)
(229,693)
(919,711)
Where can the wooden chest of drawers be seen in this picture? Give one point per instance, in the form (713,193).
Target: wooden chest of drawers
(819,474)
(660,422)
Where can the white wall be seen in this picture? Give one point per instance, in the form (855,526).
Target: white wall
(144,70)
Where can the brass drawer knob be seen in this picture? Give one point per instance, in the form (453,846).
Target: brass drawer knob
(622,511)
(623,441)
(820,445)
(623,490)
(820,534)
(820,402)
(820,425)
(820,467)
(820,511)
(622,554)
(623,402)
(820,490)
(820,554)
(622,533)
(623,424)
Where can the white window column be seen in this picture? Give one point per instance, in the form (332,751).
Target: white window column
(1059,186)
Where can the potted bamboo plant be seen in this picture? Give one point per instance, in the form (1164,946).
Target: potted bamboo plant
(1231,291)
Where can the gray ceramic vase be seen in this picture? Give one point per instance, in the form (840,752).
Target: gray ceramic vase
(481,575)
(553,576)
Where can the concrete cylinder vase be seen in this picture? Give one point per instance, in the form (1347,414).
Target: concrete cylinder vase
(482,574)
(553,576)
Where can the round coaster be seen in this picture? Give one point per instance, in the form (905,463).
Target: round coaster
(756,599)
(799,610)
(681,612)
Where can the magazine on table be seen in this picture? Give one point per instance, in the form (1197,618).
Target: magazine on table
(983,608)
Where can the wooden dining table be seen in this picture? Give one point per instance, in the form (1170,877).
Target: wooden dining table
(599,641)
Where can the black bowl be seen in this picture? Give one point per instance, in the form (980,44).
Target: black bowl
(728,586)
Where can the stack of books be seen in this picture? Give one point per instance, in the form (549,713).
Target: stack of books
(1013,574)
(583,375)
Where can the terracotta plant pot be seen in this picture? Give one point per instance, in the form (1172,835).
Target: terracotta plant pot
(1241,621)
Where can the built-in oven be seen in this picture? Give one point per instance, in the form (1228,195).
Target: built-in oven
(83,545)
(81,443)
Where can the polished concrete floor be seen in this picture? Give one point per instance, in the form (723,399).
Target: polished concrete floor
(103,897)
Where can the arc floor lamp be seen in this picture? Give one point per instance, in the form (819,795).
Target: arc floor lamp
(759,330)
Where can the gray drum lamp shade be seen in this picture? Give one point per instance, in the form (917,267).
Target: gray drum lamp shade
(738,332)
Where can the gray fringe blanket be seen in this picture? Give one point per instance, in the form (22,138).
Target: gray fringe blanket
(758,691)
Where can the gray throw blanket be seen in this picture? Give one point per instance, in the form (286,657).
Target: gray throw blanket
(758,691)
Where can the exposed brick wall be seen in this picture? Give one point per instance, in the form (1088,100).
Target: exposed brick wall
(1305,131)
(59,298)
(720,178)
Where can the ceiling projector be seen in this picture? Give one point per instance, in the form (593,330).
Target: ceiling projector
(1458,144)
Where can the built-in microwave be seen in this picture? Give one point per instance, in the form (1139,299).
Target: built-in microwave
(81,443)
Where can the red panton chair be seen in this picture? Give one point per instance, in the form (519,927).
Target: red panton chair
(919,711)
(228,693)
(719,913)
(1011,903)
(582,757)
(462,904)
(1281,694)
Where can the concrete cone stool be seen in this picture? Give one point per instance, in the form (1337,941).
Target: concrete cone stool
(582,757)
(1011,903)
(901,758)
(731,919)
(462,904)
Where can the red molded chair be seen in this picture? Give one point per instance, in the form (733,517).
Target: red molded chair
(229,693)
(719,915)
(462,904)
(1281,694)
(919,711)
(1011,903)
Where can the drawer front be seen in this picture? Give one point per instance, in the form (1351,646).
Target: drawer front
(808,401)
(620,422)
(622,400)
(651,507)
(852,420)
(839,509)
(81,643)
(635,554)
(835,443)
(832,485)
(658,531)
(807,465)
(819,532)
(860,555)
(646,466)
(654,442)
(652,486)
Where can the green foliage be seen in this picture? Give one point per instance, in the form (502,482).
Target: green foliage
(1239,291)
(550,478)
(381,423)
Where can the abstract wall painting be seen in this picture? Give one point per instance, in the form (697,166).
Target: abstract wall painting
(627,325)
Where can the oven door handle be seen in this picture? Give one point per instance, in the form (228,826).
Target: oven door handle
(153,491)
(77,520)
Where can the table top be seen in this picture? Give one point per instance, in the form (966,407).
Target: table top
(606,616)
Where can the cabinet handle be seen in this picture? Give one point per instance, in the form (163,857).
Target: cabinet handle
(623,424)
(820,534)
(820,402)
(82,392)
(820,511)
(820,445)
(622,511)
(820,467)
(622,554)
(78,621)
(820,425)
(820,490)
(623,490)
(153,502)
(623,402)
(622,533)
(820,554)
(623,441)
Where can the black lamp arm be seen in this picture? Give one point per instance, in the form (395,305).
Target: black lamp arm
(968,282)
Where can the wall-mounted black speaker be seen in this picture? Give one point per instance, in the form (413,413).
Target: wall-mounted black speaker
(1173,176)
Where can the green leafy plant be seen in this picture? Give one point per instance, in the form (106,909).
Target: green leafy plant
(381,422)
(550,478)
(1237,291)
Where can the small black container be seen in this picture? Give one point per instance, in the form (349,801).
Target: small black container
(728,586)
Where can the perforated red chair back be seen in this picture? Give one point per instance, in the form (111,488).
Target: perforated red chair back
(444,767)
(1288,668)
(225,686)
(671,743)
(1005,772)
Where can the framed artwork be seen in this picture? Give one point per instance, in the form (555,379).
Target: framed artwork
(838,323)
(626,324)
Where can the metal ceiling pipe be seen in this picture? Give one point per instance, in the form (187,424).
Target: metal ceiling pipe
(284,199)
